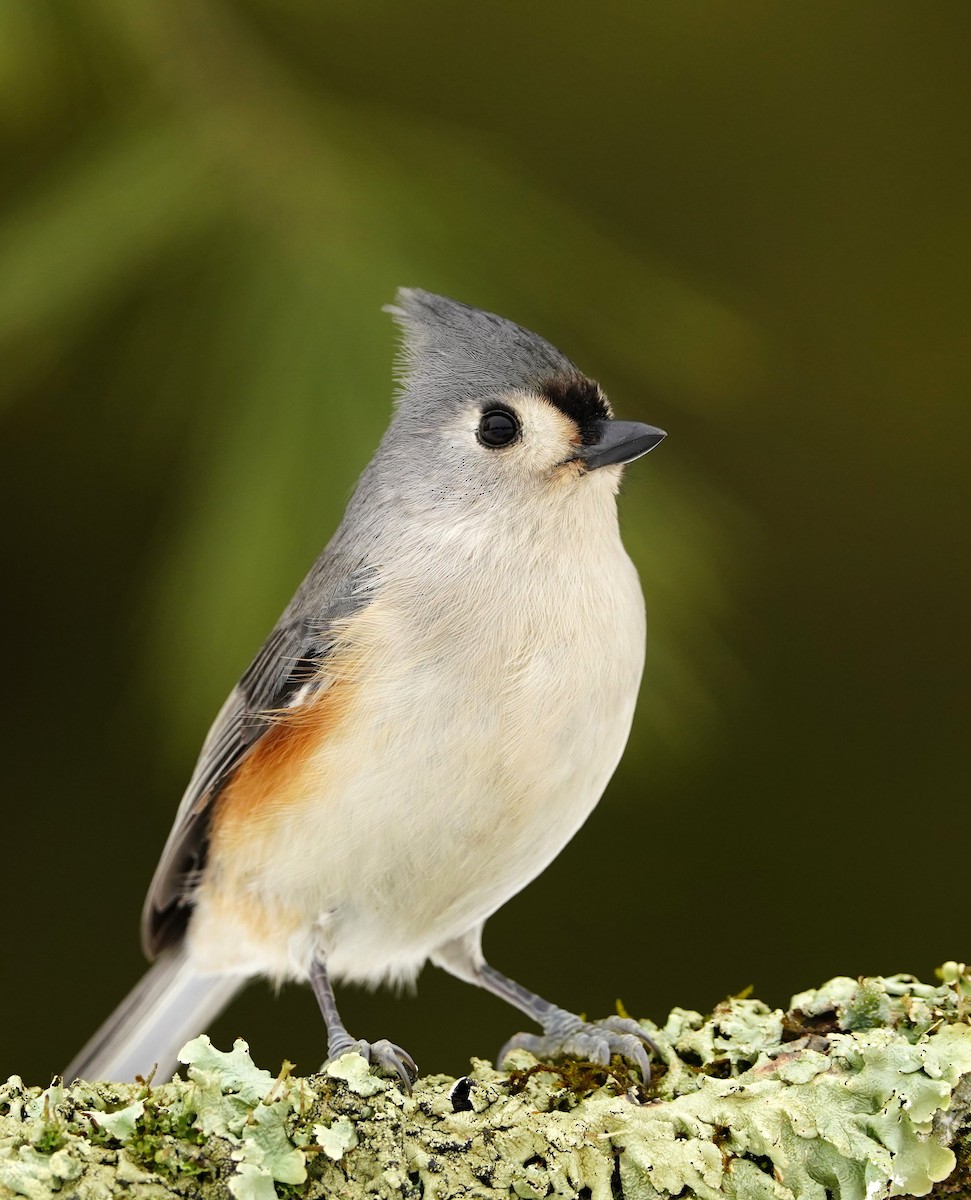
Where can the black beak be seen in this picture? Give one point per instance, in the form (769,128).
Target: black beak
(619,442)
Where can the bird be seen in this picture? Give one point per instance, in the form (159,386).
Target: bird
(433,717)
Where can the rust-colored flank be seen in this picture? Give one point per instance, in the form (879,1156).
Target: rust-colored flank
(275,773)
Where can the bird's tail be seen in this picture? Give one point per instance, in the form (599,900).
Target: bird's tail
(171,1004)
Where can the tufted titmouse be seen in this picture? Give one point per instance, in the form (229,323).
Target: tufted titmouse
(431,720)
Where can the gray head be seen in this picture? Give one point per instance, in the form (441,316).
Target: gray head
(462,353)
(496,400)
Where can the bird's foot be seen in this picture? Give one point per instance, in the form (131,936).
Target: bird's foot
(567,1036)
(384,1057)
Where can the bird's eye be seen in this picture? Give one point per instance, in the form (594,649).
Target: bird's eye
(498,427)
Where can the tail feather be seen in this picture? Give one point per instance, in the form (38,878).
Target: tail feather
(171,1004)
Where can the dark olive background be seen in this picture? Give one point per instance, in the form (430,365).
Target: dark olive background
(750,221)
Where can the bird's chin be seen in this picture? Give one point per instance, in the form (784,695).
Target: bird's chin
(575,470)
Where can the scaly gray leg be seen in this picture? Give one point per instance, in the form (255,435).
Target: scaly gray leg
(564,1033)
(385,1056)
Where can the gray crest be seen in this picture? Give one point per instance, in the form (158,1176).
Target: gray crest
(453,353)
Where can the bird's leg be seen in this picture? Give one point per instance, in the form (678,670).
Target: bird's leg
(339,1041)
(384,1055)
(564,1033)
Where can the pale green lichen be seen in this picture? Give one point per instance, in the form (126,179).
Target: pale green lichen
(353,1070)
(232,1097)
(336,1138)
(861,1091)
(120,1125)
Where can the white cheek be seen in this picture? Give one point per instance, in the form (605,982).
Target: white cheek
(546,441)
(548,438)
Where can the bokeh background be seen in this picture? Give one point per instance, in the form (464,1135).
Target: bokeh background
(749,220)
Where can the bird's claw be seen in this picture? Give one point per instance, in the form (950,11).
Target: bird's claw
(384,1057)
(595,1041)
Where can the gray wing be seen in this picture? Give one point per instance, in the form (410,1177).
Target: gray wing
(290,664)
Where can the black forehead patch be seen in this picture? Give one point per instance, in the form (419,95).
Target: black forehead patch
(581,400)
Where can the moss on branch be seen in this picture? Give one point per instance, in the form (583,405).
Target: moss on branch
(862,1090)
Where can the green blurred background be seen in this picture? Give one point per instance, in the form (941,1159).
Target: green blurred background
(750,221)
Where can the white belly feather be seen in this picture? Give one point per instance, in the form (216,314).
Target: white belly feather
(484,728)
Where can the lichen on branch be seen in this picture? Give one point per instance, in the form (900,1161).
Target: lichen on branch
(862,1090)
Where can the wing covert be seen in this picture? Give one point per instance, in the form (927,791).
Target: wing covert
(289,668)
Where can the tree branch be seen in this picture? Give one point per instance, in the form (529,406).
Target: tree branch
(861,1091)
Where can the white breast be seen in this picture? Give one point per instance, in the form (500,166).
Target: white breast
(490,713)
